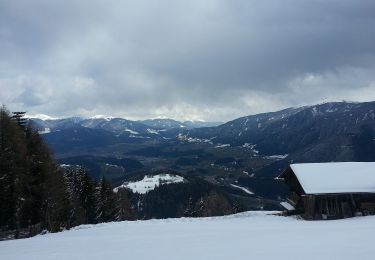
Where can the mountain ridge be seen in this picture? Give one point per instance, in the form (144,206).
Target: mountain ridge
(248,151)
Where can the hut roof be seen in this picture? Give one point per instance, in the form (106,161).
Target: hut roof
(342,177)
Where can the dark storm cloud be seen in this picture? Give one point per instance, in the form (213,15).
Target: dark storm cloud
(184,59)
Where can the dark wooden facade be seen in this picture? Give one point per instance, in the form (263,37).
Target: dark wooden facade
(326,206)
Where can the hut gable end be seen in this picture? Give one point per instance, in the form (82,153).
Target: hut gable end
(291,180)
(331,190)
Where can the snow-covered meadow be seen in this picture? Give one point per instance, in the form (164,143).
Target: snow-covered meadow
(249,235)
(150,182)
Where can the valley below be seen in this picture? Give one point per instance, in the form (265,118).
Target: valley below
(241,157)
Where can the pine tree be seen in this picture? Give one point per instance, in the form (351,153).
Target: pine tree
(70,185)
(124,210)
(81,193)
(7,171)
(58,205)
(105,202)
(189,211)
(19,117)
(88,200)
(32,185)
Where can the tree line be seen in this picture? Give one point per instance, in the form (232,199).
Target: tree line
(36,194)
(193,198)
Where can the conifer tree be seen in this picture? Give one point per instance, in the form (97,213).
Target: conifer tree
(124,210)
(8,171)
(58,206)
(19,117)
(105,202)
(87,198)
(81,194)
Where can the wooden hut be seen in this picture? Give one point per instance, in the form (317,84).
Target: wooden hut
(330,190)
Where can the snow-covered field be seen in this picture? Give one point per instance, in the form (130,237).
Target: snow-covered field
(250,235)
(150,183)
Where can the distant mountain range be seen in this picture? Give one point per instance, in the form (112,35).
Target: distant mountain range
(249,151)
(322,131)
(82,134)
(170,124)
(116,124)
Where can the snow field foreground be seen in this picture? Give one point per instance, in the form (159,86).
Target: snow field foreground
(249,235)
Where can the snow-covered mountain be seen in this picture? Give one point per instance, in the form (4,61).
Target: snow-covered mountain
(290,130)
(281,132)
(249,235)
(116,125)
(163,123)
(200,124)
(173,124)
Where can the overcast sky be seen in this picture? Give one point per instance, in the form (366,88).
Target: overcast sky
(199,60)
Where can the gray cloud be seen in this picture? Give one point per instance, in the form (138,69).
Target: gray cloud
(212,60)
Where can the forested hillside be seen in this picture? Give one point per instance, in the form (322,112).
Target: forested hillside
(36,195)
(32,189)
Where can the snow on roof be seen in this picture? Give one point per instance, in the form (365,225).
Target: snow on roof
(342,177)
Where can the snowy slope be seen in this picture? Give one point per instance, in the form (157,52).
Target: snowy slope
(251,235)
(150,182)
